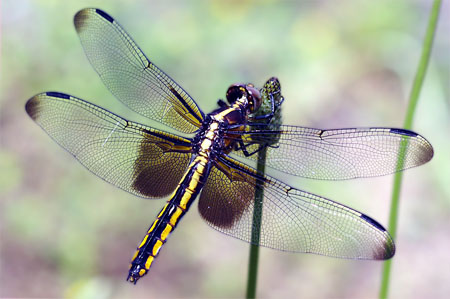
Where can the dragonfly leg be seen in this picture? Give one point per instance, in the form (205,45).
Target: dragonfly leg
(222,103)
(243,147)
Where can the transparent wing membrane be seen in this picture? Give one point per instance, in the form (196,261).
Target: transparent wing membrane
(338,154)
(130,76)
(138,159)
(291,219)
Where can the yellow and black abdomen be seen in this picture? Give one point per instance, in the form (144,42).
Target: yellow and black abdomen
(168,218)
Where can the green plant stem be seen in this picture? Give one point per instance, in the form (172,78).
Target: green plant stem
(413,99)
(256,228)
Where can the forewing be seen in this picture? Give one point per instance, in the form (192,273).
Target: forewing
(136,158)
(291,219)
(130,76)
(339,154)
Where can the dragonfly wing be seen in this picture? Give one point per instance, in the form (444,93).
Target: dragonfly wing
(291,219)
(136,158)
(130,76)
(340,153)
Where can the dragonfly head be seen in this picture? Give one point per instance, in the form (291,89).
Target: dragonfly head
(236,91)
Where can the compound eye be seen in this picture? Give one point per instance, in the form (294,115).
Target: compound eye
(254,97)
(235,92)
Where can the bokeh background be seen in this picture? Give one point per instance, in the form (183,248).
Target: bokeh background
(343,63)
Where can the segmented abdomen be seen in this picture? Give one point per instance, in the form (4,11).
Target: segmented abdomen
(168,218)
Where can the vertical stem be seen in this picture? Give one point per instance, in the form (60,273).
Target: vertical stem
(271,103)
(256,228)
(413,99)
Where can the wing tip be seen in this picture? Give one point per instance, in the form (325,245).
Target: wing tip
(387,250)
(32,107)
(426,151)
(81,17)
(33,104)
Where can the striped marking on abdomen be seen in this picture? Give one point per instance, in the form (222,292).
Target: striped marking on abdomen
(168,218)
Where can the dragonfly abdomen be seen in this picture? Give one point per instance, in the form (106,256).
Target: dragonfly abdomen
(168,218)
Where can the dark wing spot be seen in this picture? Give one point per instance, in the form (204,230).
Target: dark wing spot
(104,15)
(57,95)
(373,222)
(404,132)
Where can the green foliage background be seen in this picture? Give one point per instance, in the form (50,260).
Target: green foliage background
(344,63)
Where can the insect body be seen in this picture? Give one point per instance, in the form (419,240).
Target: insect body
(151,163)
(209,144)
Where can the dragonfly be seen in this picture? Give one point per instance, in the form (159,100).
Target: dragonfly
(211,157)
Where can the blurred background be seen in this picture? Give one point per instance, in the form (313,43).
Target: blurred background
(346,63)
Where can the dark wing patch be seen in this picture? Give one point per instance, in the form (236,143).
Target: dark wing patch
(169,160)
(32,108)
(225,196)
(130,76)
(291,219)
(136,158)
